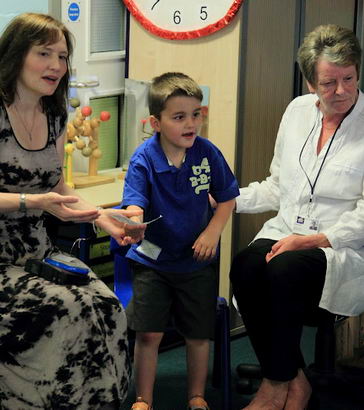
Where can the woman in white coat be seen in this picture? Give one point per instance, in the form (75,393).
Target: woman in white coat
(312,253)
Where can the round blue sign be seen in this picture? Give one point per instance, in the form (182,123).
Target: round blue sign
(74,12)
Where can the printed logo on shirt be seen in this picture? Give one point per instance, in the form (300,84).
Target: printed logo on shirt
(201,180)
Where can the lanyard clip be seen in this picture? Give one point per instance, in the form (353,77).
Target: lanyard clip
(309,205)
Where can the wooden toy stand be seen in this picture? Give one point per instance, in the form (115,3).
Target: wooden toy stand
(77,129)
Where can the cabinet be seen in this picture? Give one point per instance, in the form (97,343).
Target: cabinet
(83,242)
(92,248)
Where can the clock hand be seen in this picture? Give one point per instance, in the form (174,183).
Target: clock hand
(155,4)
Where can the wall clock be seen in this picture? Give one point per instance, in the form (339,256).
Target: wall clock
(183,19)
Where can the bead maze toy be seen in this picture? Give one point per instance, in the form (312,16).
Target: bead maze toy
(83,134)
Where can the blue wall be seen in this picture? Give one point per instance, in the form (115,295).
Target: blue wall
(9,9)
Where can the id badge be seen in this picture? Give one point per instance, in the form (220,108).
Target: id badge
(149,249)
(306,225)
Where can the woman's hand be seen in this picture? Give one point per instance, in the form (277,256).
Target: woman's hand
(296,242)
(123,233)
(57,205)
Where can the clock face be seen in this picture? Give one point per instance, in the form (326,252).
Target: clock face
(183,19)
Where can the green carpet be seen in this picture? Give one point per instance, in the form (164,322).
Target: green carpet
(170,388)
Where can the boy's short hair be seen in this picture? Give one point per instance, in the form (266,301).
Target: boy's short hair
(170,85)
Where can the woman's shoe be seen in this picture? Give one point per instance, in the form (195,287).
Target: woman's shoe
(141,404)
(197,403)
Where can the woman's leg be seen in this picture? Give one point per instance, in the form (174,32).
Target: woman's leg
(299,392)
(271,395)
(249,286)
(273,300)
(295,280)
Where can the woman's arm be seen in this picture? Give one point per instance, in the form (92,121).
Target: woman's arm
(79,208)
(61,206)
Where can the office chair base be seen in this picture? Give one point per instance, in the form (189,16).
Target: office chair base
(247,386)
(249,370)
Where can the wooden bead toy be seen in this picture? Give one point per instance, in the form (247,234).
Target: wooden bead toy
(83,134)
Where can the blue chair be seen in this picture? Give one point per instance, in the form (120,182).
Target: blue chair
(122,274)
(221,374)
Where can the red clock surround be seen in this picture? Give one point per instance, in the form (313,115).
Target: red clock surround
(183,35)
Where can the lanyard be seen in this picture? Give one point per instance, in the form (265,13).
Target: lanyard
(312,185)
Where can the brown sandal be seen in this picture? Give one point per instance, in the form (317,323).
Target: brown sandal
(141,404)
(197,403)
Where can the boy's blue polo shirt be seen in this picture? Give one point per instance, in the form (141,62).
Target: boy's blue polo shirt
(181,196)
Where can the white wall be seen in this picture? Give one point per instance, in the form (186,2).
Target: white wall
(108,69)
(11,8)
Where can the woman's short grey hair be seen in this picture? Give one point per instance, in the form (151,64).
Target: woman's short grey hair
(331,42)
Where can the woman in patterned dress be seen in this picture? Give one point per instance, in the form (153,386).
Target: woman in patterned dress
(61,346)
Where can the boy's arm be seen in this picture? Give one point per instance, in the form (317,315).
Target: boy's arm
(206,244)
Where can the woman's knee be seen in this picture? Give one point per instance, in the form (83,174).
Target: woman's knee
(238,267)
(245,268)
(286,271)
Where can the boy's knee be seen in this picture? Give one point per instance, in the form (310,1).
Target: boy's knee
(197,342)
(149,338)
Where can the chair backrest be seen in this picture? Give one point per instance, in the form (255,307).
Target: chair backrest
(122,279)
(122,274)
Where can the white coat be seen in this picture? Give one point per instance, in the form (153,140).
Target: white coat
(338,202)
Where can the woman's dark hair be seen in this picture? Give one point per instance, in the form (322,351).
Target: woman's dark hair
(22,33)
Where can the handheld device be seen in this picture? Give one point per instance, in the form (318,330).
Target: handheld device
(54,273)
(69,268)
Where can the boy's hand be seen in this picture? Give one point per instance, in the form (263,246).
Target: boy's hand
(205,245)
(135,233)
(123,233)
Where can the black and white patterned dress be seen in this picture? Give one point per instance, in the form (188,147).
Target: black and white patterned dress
(61,347)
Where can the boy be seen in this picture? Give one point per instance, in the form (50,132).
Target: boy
(172,175)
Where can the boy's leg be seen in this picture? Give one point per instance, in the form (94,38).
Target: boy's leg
(197,352)
(148,313)
(194,310)
(145,364)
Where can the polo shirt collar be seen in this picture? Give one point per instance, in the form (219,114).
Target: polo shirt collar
(157,155)
(159,159)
